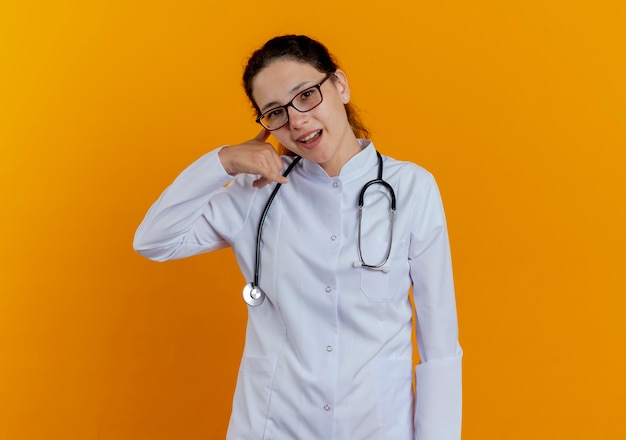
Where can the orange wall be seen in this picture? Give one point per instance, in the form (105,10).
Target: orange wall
(518,108)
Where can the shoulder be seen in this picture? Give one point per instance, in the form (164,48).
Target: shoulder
(406,172)
(400,168)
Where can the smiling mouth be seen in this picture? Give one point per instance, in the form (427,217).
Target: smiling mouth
(311,137)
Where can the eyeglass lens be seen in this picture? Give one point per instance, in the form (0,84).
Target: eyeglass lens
(303,102)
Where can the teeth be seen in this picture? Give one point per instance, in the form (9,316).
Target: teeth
(309,137)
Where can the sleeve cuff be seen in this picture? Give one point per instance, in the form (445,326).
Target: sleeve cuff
(438,399)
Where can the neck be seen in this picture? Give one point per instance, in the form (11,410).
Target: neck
(349,150)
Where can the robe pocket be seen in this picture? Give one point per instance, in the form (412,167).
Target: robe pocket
(381,286)
(256,383)
(394,391)
(259,363)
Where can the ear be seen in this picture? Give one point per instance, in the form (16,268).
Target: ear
(341,82)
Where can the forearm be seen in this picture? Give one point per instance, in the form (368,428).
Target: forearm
(172,217)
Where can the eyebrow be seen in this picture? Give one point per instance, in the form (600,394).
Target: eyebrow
(275,104)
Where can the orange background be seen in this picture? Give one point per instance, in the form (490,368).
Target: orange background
(518,108)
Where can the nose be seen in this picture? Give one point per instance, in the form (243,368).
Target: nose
(296,118)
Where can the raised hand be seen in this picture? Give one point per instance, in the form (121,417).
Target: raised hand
(256,156)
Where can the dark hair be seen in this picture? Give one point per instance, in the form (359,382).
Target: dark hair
(305,50)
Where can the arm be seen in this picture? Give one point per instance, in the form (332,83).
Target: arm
(196,214)
(167,231)
(438,376)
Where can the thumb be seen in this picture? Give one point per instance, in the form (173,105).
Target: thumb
(262,136)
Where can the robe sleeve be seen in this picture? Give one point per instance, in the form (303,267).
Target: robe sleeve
(438,376)
(195,214)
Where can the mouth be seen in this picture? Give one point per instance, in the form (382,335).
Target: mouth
(309,138)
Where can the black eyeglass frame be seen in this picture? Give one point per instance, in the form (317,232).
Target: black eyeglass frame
(290,104)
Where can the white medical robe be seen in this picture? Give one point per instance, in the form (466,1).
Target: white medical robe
(328,354)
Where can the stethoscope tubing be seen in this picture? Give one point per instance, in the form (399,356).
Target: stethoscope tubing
(378,181)
(257,260)
(254,296)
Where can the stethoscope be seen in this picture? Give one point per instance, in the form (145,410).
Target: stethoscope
(252,293)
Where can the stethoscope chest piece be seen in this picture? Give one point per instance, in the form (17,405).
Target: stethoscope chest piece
(253,295)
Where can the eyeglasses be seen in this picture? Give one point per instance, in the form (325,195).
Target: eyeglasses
(304,101)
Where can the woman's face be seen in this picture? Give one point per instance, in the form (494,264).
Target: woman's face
(321,135)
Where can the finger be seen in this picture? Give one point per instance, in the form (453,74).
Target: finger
(273,166)
(264,180)
(260,182)
(262,136)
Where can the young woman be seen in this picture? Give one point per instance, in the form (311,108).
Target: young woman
(328,352)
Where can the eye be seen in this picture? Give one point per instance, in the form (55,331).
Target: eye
(274,114)
(307,93)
